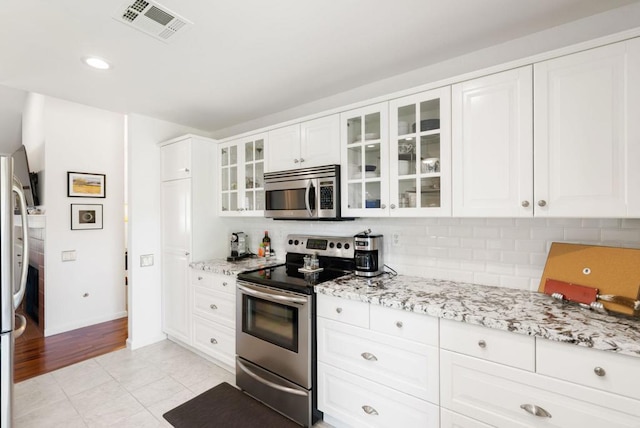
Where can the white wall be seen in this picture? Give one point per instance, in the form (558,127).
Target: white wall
(505,252)
(84,139)
(11,105)
(143,135)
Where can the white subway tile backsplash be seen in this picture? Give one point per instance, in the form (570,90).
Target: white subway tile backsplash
(503,252)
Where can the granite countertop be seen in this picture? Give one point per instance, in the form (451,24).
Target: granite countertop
(222,266)
(518,311)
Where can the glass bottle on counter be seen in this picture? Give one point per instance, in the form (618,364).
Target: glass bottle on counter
(266,243)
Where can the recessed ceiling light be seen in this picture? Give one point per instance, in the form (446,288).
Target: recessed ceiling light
(95,62)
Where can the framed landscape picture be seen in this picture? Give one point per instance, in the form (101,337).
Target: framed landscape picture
(86,185)
(86,216)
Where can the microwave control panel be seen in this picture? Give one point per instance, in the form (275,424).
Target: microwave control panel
(326,196)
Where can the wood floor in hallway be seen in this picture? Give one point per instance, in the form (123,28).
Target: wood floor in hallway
(39,355)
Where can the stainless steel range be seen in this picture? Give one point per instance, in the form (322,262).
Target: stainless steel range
(276,329)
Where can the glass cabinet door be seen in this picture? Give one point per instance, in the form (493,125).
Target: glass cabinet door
(364,161)
(420,154)
(229,178)
(254,175)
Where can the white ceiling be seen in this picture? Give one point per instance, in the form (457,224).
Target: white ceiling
(246,59)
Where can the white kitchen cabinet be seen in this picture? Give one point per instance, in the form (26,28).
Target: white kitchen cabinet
(420,154)
(358,402)
(307,144)
(587,136)
(242,176)
(187,210)
(213,316)
(492,145)
(376,374)
(502,396)
(449,419)
(365,161)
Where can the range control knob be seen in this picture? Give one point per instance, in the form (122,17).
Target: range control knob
(331,245)
(290,241)
(346,246)
(296,242)
(339,245)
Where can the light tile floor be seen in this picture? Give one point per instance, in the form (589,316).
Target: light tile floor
(124,388)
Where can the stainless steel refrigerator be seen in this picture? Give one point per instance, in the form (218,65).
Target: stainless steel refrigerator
(12,288)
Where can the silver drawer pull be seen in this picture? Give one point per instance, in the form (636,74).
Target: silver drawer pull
(224,284)
(213,341)
(599,371)
(212,306)
(369,356)
(535,410)
(339,310)
(369,410)
(199,278)
(482,343)
(399,324)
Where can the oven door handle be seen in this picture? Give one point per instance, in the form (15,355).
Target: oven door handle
(307,204)
(269,383)
(273,297)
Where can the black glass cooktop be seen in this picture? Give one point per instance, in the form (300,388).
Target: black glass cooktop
(287,277)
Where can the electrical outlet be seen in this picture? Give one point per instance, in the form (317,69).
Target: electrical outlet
(395,239)
(146,260)
(68,255)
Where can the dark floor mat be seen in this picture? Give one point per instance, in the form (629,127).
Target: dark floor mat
(228,407)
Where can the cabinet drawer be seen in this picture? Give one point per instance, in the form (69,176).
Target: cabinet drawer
(361,403)
(499,346)
(604,370)
(406,325)
(214,340)
(406,366)
(493,394)
(214,281)
(449,419)
(343,310)
(215,306)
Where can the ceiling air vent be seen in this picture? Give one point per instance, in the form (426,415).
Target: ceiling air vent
(152,19)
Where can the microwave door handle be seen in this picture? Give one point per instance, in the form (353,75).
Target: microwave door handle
(306,198)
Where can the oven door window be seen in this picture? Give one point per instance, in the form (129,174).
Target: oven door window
(273,322)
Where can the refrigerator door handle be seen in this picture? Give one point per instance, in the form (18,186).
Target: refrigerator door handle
(19,330)
(18,295)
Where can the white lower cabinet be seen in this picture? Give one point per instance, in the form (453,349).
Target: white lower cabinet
(213,315)
(359,402)
(503,396)
(449,419)
(378,374)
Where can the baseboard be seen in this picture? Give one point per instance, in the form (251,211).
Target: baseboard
(48,331)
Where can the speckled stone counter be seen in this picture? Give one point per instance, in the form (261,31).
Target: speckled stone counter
(518,311)
(224,267)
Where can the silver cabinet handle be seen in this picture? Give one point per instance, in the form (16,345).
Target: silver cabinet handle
(383,206)
(482,343)
(399,324)
(525,204)
(393,206)
(339,310)
(301,160)
(369,356)
(296,161)
(369,410)
(199,278)
(542,203)
(187,253)
(599,371)
(224,284)
(212,306)
(185,169)
(535,410)
(213,341)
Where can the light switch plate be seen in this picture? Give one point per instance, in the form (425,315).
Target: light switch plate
(146,260)
(68,255)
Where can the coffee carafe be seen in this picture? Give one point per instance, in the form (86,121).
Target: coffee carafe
(368,254)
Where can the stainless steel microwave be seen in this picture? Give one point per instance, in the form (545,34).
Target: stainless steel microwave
(306,193)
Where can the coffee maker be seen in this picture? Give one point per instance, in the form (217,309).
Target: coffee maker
(368,254)
(238,246)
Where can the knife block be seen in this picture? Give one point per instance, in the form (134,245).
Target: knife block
(612,270)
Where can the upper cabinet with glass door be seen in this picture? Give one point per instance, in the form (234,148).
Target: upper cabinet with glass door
(365,154)
(242,176)
(420,154)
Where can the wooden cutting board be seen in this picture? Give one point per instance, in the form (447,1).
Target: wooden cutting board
(612,270)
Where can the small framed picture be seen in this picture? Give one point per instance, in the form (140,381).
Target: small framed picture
(86,216)
(86,185)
